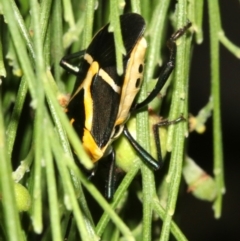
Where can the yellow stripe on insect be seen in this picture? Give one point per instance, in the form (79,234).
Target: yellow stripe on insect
(88,58)
(90,146)
(88,102)
(109,80)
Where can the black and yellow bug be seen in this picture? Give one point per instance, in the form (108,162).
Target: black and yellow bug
(102,101)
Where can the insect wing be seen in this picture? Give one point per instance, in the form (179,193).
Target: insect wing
(102,48)
(94,106)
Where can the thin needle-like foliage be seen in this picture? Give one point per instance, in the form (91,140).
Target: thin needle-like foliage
(37,139)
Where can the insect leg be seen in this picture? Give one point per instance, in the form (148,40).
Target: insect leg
(111,180)
(167,69)
(69,67)
(157,137)
(146,157)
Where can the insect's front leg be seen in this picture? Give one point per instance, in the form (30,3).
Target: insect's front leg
(68,66)
(167,69)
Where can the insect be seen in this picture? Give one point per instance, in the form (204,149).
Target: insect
(102,101)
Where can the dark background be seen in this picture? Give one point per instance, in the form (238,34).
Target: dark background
(195,212)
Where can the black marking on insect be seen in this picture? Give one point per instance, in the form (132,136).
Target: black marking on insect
(102,101)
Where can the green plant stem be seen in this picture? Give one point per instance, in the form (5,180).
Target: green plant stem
(69,190)
(17,109)
(57,32)
(2,67)
(143,123)
(81,215)
(13,125)
(235,50)
(215,26)
(45,11)
(38,122)
(199,6)
(176,133)
(22,28)
(147,174)
(11,216)
(136,7)
(73,34)
(24,167)
(117,198)
(20,46)
(174,228)
(156,41)
(68,13)
(87,32)
(52,191)
(116,28)
(203,115)
(103,203)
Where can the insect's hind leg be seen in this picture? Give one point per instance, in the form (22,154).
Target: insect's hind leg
(146,157)
(163,77)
